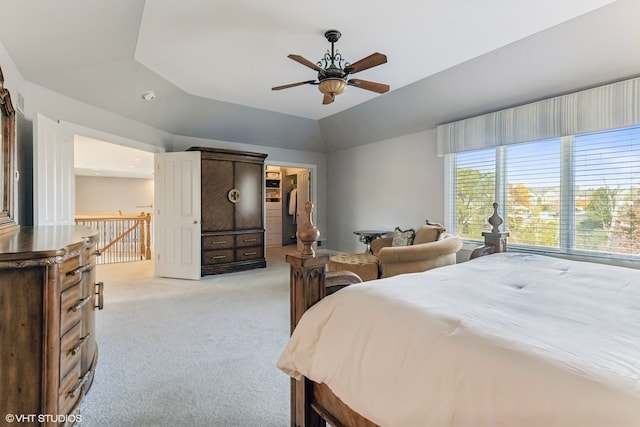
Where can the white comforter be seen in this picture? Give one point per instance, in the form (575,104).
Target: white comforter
(505,340)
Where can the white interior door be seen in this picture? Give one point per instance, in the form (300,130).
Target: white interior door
(177,215)
(54,191)
(303,195)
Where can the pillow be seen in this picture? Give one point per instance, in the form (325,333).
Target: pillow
(403,237)
(428,233)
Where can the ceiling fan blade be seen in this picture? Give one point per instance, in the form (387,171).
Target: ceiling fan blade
(365,63)
(372,86)
(299,59)
(327,99)
(292,85)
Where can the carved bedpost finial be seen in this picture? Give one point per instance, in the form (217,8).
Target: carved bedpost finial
(308,233)
(495,219)
(495,241)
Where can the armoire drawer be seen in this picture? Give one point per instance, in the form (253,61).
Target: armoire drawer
(218,256)
(249,239)
(253,252)
(218,242)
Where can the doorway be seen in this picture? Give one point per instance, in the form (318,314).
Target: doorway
(294,186)
(114,190)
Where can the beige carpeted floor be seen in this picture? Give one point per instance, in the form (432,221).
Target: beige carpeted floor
(191,353)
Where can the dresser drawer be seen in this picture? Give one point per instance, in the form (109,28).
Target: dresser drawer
(217,256)
(70,264)
(218,242)
(71,272)
(249,239)
(89,250)
(89,256)
(70,307)
(248,253)
(70,347)
(70,390)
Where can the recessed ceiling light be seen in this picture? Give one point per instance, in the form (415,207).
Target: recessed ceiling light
(149,95)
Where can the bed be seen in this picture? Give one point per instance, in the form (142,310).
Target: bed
(502,340)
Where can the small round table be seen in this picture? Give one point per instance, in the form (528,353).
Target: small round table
(366,236)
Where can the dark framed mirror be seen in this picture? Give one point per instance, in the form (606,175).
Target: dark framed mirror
(7,159)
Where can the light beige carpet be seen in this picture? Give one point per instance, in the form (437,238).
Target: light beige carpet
(191,353)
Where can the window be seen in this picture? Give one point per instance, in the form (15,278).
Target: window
(475,191)
(577,194)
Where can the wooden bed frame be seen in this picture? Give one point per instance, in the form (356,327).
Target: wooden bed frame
(314,404)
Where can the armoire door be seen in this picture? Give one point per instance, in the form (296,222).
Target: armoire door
(248,179)
(217,181)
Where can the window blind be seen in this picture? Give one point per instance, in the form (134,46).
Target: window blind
(607,107)
(474,177)
(577,195)
(533,193)
(607,191)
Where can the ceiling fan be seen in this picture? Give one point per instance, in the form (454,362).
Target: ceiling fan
(333,71)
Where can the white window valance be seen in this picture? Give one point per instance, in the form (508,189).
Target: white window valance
(611,106)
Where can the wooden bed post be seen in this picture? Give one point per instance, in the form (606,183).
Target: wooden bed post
(495,241)
(307,281)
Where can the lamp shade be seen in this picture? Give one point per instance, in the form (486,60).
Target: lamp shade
(332,86)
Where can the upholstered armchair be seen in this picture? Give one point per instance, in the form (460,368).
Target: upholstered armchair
(430,248)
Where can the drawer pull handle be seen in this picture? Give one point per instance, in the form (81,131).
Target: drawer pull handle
(249,253)
(75,271)
(250,240)
(79,304)
(79,344)
(99,292)
(79,270)
(72,393)
(219,242)
(219,257)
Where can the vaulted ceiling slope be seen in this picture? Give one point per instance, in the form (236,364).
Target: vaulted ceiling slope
(212,63)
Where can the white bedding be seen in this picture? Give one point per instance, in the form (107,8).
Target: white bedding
(504,340)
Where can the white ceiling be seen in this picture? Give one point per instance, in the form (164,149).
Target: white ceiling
(103,159)
(235,51)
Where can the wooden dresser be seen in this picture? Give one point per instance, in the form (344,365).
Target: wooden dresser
(232,200)
(48,297)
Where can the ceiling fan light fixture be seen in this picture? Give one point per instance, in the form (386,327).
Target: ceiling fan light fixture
(333,71)
(332,86)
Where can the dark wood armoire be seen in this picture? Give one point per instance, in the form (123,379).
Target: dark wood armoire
(232,191)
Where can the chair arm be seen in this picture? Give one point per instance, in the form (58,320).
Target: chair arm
(420,252)
(382,242)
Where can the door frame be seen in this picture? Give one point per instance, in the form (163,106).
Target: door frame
(313,172)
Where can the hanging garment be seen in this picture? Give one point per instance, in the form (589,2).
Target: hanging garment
(292,202)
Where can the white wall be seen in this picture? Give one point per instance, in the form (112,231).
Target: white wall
(104,194)
(397,182)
